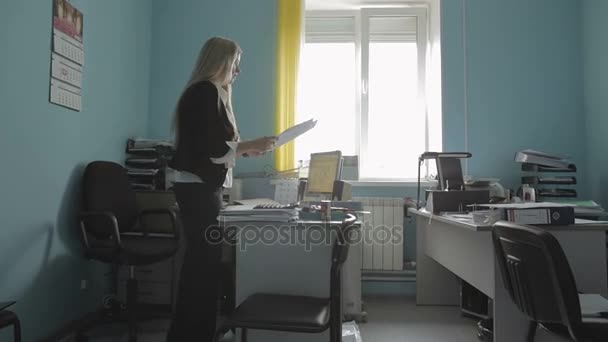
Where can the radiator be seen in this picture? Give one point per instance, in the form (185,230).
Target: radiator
(382,243)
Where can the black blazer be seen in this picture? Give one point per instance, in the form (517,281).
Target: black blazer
(203,129)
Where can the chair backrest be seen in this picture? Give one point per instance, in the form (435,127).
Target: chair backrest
(106,187)
(344,238)
(536,274)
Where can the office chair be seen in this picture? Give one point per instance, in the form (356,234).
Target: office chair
(110,211)
(8,318)
(539,280)
(298,313)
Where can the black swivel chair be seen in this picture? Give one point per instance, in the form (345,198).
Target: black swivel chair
(539,280)
(298,313)
(8,318)
(110,210)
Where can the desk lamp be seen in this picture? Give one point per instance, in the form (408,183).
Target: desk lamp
(446,158)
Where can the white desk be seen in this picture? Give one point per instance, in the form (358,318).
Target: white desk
(289,267)
(448,249)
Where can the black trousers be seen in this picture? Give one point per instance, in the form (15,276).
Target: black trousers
(196,306)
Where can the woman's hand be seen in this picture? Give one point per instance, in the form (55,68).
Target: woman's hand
(257,146)
(263,144)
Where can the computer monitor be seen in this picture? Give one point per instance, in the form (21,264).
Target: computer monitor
(450,175)
(324,169)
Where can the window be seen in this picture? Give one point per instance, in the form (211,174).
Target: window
(363,77)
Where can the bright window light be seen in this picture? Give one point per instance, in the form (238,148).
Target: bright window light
(363,77)
(327,93)
(396,134)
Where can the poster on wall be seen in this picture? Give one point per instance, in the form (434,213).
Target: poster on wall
(67,57)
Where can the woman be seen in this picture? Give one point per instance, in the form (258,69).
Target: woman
(208,142)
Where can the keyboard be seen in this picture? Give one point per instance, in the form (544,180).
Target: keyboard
(275,206)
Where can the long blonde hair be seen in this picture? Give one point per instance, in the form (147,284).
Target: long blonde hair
(214,63)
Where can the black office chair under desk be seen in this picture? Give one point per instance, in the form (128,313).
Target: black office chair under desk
(9,318)
(301,314)
(110,211)
(538,278)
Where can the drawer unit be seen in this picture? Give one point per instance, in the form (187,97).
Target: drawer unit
(148,292)
(159,272)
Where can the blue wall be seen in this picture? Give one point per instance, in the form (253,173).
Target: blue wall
(453,76)
(46,147)
(524,82)
(180,28)
(595,30)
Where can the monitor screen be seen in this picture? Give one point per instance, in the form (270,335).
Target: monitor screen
(324,169)
(450,174)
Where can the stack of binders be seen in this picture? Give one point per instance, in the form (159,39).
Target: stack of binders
(147,161)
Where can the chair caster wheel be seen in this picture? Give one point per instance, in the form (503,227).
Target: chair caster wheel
(485,330)
(109,301)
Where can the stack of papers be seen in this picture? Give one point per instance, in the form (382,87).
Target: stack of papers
(541,158)
(148,143)
(584,208)
(247,213)
(149,147)
(525,205)
(142,172)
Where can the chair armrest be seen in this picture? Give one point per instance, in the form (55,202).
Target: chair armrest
(160,211)
(4,305)
(345,229)
(348,223)
(111,219)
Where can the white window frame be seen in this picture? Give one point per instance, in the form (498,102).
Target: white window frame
(361,40)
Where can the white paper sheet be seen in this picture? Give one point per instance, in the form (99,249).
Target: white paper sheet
(592,304)
(295,131)
(528,205)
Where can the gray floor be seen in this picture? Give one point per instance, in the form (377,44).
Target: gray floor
(390,319)
(398,319)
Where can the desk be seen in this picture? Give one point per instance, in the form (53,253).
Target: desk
(272,257)
(448,249)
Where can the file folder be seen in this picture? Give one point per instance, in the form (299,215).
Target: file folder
(536,213)
(559,216)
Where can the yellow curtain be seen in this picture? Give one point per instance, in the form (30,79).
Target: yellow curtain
(291,15)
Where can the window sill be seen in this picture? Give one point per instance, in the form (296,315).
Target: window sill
(401,183)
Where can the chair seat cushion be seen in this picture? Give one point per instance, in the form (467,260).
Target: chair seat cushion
(136,250)
(281,312)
